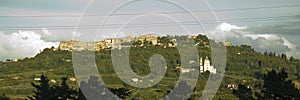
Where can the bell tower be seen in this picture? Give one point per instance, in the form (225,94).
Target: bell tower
(201,67)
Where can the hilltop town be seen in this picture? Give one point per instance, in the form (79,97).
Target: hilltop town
(164,41)
(111,43)
(142,41)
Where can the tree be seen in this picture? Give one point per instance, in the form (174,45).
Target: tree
(63,91)
(180,92)
(266,52)
(147,43)
(4,97)
(283,56)
(94,90)
(120,92)
(243,92)
(57,92)
(43,91)
(248,48)
(137,43)
(81,95)
(164,41)
(277,87)
(292,58)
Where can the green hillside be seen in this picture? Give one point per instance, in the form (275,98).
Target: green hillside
(244,66)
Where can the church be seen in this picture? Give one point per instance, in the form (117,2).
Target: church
(206,66)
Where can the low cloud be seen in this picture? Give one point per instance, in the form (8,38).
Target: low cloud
(225,27)
(259,41)
(48,36)
(23,44)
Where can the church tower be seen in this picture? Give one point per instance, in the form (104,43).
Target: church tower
(206,64)
(201,65)
(201,62)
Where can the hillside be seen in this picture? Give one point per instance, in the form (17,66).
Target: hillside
(244,65)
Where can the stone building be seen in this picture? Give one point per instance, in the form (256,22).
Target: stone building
(226,43)
(79,46)
(149,38)
(67,45)
(106,43)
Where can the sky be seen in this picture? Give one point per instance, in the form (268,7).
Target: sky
(28,26)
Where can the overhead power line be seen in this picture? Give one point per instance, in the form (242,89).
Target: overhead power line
(188,23)
(178,12)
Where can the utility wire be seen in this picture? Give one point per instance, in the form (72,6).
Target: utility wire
(124,14)
(189,23)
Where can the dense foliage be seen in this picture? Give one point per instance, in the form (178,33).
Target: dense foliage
(276,86)
(4,97)
(55,92)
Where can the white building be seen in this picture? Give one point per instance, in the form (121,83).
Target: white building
(185,70)
(206,66)
(37,79)
(52,81)
(72,79)
(135,80)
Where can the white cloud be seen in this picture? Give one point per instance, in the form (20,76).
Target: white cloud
(22,44)
(55,36)
(46,32)
(265,36)
(225,27)
(225,30)
(261,42)
(288,43)
(294,51)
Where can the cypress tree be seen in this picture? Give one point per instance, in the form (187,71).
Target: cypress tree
(43,91)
